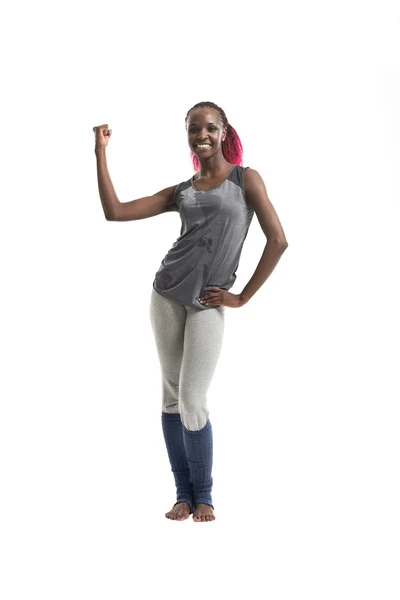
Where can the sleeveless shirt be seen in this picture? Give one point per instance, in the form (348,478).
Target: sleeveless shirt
(214,227)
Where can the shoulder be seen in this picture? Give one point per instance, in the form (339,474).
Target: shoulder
(251,176)
(257,196)
(254,186)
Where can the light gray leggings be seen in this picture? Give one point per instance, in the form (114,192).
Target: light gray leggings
(189,342)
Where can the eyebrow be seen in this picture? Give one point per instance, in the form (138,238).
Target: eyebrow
(210,123)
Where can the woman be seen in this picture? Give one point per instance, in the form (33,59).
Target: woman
(190,289)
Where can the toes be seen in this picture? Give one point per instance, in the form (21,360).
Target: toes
(204,518)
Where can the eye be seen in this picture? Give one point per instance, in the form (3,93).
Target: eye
(194,129)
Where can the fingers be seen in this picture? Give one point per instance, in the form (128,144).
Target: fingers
(211,303)
(208,299)
(100,127)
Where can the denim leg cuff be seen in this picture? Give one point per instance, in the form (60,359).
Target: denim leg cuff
(199,451)
(173,435)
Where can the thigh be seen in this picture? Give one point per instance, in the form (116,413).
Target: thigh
(204,330)
(168,319)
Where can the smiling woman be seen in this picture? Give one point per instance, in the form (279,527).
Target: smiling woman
(191,287)
(218,132)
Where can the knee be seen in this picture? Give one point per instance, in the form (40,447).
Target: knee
(191,402)
(194,412)
(195,421)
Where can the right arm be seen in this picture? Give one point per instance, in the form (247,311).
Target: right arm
(142,208)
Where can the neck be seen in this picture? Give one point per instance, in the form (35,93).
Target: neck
(212,167)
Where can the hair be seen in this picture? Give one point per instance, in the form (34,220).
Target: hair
(232,148)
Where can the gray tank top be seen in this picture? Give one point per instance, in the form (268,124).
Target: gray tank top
(214,226)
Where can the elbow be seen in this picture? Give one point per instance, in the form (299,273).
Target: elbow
(279,242)
(110,217)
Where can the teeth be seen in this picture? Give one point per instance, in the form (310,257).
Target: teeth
(203,145)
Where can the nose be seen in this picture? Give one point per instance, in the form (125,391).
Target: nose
(203,135)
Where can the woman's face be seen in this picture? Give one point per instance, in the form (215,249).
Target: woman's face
(204,126)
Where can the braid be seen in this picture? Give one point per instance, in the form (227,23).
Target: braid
(232,148)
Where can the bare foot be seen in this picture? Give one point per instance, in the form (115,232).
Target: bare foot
(179,512)
(203,512)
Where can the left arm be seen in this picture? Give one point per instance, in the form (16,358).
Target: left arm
(276,244)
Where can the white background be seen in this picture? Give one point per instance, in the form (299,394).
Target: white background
(304,401)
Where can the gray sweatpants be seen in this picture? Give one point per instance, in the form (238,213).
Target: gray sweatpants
(189,342)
